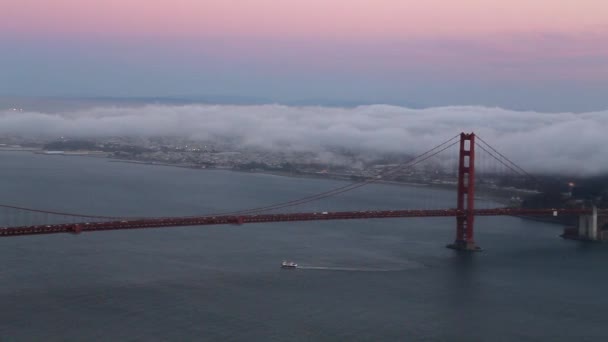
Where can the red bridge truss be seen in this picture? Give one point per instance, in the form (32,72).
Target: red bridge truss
(265,218)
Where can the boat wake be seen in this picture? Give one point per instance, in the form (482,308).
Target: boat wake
(353,269)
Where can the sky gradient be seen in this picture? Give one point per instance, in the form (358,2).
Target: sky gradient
(544,54)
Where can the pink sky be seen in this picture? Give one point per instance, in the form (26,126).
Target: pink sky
(302,18)
(474,50)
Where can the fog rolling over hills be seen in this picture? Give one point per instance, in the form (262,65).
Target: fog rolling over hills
(554,143)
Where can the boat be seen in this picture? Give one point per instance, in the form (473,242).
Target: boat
(289,264)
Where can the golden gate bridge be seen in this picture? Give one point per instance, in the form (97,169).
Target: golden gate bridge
(468,147)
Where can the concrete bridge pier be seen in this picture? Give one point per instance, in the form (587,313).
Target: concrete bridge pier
(587,226)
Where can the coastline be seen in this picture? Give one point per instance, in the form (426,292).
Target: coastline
(502,196)
(499,195)
(270,172)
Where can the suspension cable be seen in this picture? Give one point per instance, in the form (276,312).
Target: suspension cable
(58,212)
(414,161)
(500,161)
(504,157)
(410,163)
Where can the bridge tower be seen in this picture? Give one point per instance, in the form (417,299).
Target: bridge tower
(465,220)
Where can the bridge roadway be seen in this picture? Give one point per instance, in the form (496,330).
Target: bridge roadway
(259,218)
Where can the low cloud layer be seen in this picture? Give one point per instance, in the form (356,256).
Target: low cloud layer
(540,142)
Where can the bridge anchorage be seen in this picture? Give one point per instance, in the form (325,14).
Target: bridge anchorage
(465,219)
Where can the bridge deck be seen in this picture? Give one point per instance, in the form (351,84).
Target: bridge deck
(241,219)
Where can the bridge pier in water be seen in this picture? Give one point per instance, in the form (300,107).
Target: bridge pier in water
(591,227)
(465,220)
(587,225)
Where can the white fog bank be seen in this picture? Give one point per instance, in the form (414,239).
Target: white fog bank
(540,142)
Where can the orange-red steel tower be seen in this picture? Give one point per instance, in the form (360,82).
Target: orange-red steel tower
(465,220)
